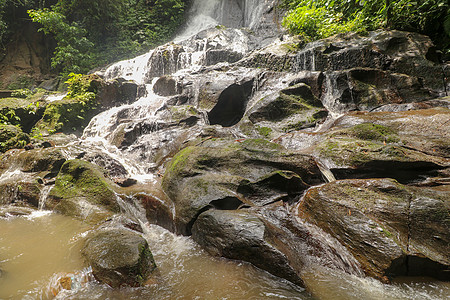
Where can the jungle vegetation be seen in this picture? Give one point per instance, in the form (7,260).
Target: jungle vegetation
(316,19)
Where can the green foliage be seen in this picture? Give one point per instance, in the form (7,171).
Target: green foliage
(12,137)
(317,22)
(72,113)
(72,53)
(93,33)
(21,93)
(8,116)
(12,14)
(431,17)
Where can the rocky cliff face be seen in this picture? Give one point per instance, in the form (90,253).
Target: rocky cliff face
(26,60)
(280,153)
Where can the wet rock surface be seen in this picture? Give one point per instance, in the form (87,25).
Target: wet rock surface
(226,174)
(390,229)
(241,235)
(82,191)
(119,257)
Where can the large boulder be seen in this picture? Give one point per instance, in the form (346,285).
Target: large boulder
(23,174)
(407,53)
(226,174)
(81,190)
(369,88)
(22,112)
(391,229)
(115,92)
(368,144)
(241,235)
(118,257)
(273,239)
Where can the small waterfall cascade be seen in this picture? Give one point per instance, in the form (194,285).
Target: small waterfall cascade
(43,197)
(334,255)
(125,132)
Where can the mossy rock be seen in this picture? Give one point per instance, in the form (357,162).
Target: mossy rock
(69,115)
(278,109)
(293,108)
(20,112)
(225,174)
(344,152)
(119,257)
(12,137)
(390,228)
(375,148)
(81,182)
(184,113)
(371,132)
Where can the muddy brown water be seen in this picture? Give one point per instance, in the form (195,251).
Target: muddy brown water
(39,249)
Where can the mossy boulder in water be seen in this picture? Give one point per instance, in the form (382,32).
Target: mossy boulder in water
(81,190)
(391,229)
(226,174)
(119,257)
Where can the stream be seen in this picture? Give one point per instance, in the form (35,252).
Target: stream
(39,250)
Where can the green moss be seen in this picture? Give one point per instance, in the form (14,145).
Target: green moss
(370,131)
(70,114)
(183,112)
(79,178)
(177,164)
(353,152)
(12,137)
(74,112)
(264,131)
(292,47)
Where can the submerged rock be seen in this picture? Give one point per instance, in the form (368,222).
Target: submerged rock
(119,257)
(391,229)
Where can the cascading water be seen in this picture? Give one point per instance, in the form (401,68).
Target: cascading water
(184,57)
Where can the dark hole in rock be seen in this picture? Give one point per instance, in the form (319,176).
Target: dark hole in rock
(332,48)
(433,55)
(418,266)
(230,108)
(403,172)
(227,203)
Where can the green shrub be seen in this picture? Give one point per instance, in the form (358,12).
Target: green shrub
(430,17)
(317,22)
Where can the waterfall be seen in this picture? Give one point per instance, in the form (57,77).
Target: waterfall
(44,194)
(186,55)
